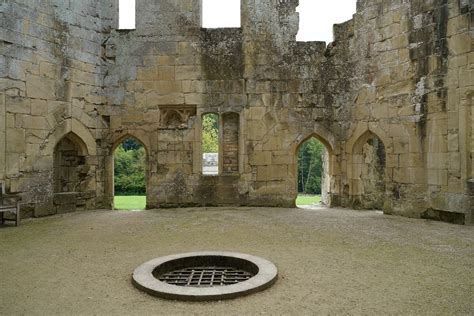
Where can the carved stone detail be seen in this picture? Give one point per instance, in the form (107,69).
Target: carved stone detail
(176,117)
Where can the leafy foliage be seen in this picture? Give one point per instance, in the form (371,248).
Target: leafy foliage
(131,144)
(210,133)
(310,167)
(129,168)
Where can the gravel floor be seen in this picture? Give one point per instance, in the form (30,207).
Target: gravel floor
(331,261)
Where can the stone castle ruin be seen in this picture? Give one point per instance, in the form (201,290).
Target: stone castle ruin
(391,99)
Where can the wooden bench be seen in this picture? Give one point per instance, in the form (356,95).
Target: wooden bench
(9,203)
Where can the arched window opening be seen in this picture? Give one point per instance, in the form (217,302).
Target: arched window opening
(318,17)
(220,14)
(126,15)
(210,144)
(130,175)
(313,176)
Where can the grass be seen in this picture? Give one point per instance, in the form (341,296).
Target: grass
(306,199)
(130,203)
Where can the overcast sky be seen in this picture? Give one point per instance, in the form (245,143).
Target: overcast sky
(316,16)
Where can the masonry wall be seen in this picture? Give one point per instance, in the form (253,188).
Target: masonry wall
(51,84)
(400,73)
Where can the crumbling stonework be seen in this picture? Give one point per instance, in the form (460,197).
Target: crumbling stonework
(391,98)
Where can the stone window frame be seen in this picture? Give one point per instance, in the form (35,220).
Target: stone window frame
(221,117)
(219,152)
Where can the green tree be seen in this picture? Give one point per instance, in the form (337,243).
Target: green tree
(129,168)
(210,133)
(310,166)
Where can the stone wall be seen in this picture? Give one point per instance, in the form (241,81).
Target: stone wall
(51,85)
(398,77)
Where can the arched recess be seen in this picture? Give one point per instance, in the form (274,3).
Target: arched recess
(73,172)
(367,176)
(80,194)
(328,184)
(109,163)
(70,169)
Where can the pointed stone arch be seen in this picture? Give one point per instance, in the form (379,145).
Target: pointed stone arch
(70,126)
(363,128)
(140,137)
(321,134)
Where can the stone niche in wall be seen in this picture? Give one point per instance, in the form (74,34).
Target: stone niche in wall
(176,116)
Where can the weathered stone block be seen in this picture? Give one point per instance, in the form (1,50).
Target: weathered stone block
(167,87)
(34,122)
(188,72)
(194,98)
(165,73)
(272,173)
(16,140)
(40,87)
(460,43)
(153,99)
(39,107)
(17,105)
(437,177)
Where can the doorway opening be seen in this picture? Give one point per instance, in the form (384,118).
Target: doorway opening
(313,177)
(130,176)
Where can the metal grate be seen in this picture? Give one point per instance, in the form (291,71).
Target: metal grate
(205,276)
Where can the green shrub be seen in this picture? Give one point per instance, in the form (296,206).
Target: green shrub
(129,169)
(310,167)
(210,133)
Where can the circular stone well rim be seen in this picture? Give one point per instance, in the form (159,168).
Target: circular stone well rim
(144,279)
